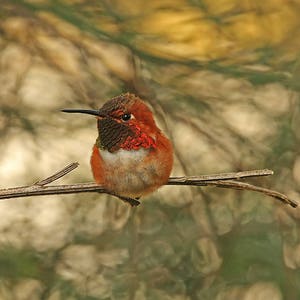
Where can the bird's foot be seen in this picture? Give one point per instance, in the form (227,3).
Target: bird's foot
(132,201)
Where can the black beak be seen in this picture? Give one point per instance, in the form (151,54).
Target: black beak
(93,112)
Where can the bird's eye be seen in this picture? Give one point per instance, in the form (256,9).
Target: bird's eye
(126,117)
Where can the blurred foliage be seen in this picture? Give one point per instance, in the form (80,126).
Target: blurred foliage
(223,80)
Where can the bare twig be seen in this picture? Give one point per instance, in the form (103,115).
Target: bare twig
(250,187)
(69,168)
(221,176)
(223,180)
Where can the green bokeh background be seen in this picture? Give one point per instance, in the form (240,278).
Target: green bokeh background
(222,78)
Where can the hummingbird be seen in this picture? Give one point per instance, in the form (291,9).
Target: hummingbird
(131,156)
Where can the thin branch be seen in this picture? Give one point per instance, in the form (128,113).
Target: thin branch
(69,168)
(250,187)
(221,176)
(223,180)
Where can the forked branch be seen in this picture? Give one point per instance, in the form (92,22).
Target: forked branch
(223,180)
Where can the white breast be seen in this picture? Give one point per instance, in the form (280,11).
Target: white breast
(124,158)
(129,173)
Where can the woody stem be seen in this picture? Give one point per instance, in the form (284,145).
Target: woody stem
(223,180)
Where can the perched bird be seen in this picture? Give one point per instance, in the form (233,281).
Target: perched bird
(131,157)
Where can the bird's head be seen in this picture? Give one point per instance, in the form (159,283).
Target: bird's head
(123,122)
